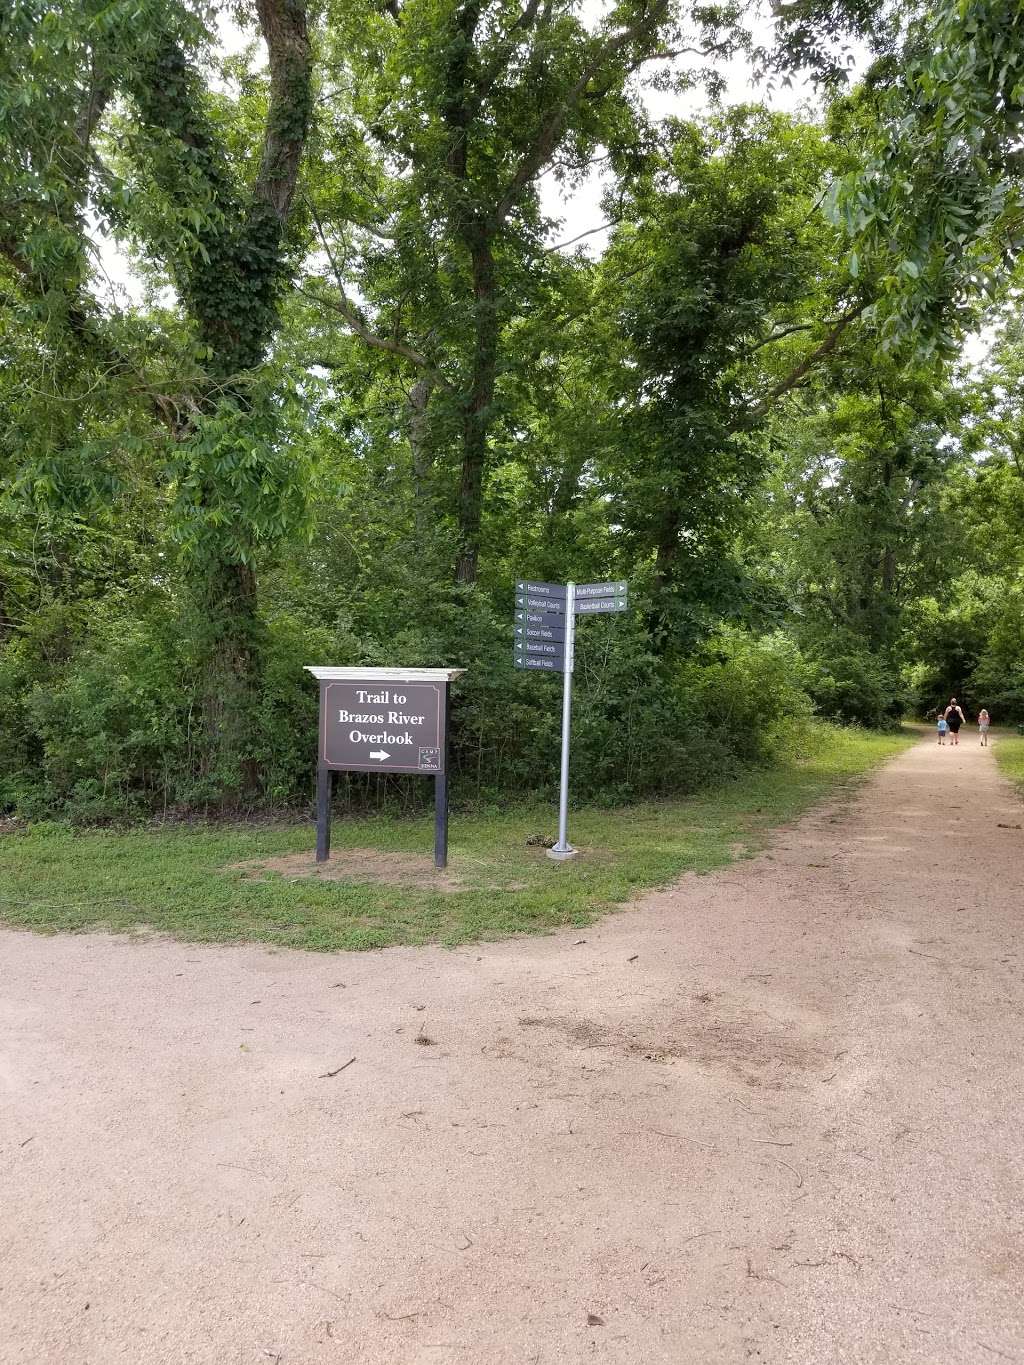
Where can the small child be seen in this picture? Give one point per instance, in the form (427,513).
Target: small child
(983,723)
(942,729)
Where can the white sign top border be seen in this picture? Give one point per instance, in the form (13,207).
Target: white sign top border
(328,674)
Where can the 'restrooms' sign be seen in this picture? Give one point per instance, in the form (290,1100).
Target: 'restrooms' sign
(368,725)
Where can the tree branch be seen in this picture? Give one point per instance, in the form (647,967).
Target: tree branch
(559,246)
(778,336)
(797,375)
(547,138)
(358,325)
(504,48)
(97,99)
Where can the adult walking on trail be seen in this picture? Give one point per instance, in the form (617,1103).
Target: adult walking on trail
(954,719)
(983,724)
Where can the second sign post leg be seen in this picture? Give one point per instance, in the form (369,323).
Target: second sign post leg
(563,849)
(323,813)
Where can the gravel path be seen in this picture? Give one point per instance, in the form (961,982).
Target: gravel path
(772,1114)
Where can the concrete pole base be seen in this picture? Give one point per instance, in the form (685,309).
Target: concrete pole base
(562,855)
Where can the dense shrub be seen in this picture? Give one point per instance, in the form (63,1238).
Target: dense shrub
(107,726)
(847,682)
(748,690)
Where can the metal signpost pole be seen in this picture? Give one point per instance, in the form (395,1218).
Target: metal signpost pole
(563,849)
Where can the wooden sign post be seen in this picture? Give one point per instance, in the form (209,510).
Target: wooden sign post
(383,720)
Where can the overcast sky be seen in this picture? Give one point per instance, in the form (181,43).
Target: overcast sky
(580,208)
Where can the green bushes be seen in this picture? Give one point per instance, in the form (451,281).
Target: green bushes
(748,690)
(105,710)
(112,729)
(849,683)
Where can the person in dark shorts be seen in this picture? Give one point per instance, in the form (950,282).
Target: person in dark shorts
(954,719)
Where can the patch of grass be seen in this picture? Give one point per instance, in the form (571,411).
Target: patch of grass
(181,881)
(1009,752)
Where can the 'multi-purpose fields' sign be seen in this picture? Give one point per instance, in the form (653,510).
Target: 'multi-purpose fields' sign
(390,720)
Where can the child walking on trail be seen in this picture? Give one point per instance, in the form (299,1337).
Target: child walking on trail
(942,729)
(983,723)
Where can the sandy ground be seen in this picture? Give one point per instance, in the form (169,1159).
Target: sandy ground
(772,1114)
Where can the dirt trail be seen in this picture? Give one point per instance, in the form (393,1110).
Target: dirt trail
(772,1114)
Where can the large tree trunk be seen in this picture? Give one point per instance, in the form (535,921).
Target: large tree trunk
(231,670)
(422,456)
(478,408)
(666,548)
(246,252)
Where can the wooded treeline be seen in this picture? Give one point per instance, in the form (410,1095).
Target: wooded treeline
(364,383)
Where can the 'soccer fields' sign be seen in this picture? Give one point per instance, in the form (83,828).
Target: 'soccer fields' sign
(372,726)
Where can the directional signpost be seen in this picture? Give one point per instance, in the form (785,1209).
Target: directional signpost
(545,634)
(383,720)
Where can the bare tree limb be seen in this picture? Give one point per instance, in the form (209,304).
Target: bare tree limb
(547,138)
(96,100)
(357,322)
(504,48)
(559,246)
(358,325)
(797,375)
(778,336)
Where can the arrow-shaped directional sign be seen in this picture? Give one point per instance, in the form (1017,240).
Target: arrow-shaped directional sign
(532,661)
(556,590)
(379,754)
(601,590)
(555,619)
(528,601)
(590,606)
(538,633)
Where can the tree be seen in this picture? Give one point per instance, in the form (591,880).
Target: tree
(936,206)
(864,473)
(110,115)
(459,109)
(726,300)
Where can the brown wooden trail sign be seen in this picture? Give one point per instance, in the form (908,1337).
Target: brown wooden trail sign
(383,720)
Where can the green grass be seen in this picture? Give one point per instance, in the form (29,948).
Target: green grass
(180,882)
(1009,752)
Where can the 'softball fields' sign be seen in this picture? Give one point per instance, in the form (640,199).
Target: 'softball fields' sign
(368,725)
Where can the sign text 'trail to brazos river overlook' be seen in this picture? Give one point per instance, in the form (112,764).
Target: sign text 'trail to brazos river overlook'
(388,726)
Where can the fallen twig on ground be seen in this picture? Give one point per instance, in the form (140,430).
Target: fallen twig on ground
(337,1070)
